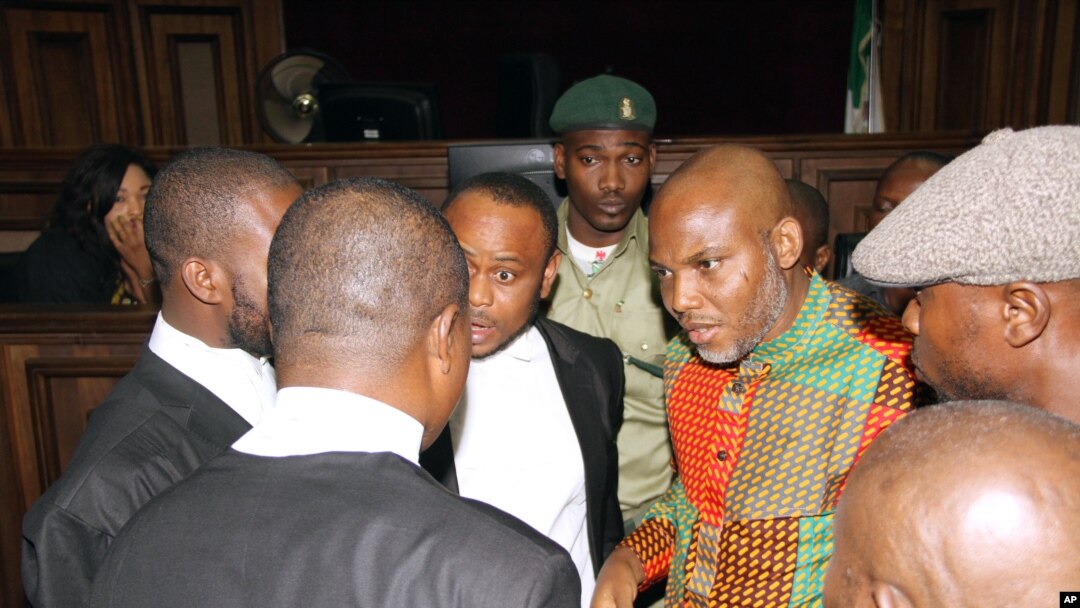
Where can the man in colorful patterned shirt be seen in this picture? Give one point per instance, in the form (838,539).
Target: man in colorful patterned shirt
(775,387)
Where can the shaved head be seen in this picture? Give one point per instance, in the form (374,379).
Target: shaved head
(738,175)
(358,270)
(961,504)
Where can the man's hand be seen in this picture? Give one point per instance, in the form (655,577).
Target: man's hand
(617,584)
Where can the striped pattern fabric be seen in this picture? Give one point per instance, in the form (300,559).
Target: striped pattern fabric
(762,451)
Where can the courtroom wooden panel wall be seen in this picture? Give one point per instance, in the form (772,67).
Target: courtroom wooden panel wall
(197,63)
(69,72)
(976,65)
(147,72)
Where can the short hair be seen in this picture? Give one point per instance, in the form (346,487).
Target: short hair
(198,203)
(812,212)
(365,265)
(512,190)
(933,160)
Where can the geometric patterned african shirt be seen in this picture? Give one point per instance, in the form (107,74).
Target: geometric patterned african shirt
(763,448)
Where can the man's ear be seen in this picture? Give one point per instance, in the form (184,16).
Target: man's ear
(888,596)
(442,338)
(204,279)
(559,162)
(550,272)
(1025,311)
(652,158)
(787,242)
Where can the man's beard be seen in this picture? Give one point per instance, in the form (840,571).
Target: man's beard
(248,325)
(533,311)
(767,306)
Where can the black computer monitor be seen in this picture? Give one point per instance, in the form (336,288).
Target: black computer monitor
(380,111)
(530,159)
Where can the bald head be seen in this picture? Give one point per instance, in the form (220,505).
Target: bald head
(961,504)
(358,270)
(734,175)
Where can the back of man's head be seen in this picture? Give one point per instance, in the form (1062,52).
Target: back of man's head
(200,201)
(358,270)
(813,214)
(962,504)
(512,190)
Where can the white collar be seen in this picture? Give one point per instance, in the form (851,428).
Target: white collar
(246,383)
(312,420)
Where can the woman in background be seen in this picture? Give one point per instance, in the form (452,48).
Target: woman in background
(93,250)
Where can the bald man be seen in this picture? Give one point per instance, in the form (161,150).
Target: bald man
(323,504)
(773,388)
(991,244)
(982,501)
(202,381)
(899,180)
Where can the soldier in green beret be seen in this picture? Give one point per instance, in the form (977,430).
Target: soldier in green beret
(606,155)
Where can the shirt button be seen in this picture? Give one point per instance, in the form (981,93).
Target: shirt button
(721,455)
(738,387)
(644,346)
(587,293)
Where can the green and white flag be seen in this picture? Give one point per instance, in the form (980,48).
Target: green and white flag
(864,110)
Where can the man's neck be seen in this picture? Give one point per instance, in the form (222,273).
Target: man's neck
(583,232)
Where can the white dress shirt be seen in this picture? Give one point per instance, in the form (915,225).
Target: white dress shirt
(310,420)
(245,383)
(515,447)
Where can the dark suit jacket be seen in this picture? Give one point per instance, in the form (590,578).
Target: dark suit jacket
(154,429)
(590,375)
(328,530)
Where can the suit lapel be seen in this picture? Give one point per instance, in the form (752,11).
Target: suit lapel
(200,410)
(583,396)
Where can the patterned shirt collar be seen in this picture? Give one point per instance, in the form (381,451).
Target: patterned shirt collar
(795,339)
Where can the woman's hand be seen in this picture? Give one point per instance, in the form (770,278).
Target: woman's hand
(126,234)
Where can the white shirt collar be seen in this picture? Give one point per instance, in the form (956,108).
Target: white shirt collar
(525,347)
(245,383)
(310,420)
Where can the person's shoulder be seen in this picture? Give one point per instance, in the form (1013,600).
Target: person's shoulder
(135,443)
(868,322)
(469,524)
(56,269)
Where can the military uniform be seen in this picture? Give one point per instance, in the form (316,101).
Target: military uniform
(621,299)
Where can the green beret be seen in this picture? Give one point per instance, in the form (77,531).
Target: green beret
(604,102)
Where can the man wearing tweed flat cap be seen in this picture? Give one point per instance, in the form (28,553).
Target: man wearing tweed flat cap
(992,244)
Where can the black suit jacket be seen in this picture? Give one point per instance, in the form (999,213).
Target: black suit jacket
(154,429)
(590,375)
(328,530)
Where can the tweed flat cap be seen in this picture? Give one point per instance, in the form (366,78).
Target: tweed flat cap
(1006,210)
(604,102)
